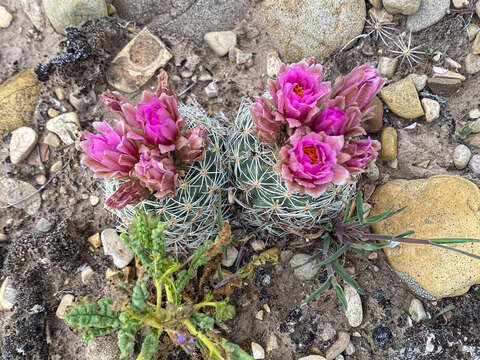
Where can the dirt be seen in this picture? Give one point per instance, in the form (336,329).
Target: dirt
(46,266)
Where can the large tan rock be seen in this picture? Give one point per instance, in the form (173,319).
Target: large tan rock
(402,98)
(301,28)
(438,207)
(19,96)
(137,62)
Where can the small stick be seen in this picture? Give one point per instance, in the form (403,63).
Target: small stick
(39,189)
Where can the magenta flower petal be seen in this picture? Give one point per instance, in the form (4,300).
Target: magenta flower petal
(353,94)
(309,162)
(360,154)
(129,193)
(192,144)
(298,93)
(109,153)
(331,121)
(157,172)
(267,128)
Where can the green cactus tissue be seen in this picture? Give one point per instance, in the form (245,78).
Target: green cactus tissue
(297,152)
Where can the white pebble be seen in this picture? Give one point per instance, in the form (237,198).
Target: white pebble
(431,108)
(87,273)
(420,81)
(475,164)
(416,310)
(22,143)
(461,156)
(66,301)
(272,343)
(350,349)
(5,17)
(257,351)
(114,246)
(231,256)
(474,114)
(211,90)
(354,311)
(220,41)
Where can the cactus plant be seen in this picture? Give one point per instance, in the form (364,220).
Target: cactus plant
(266,202)
(297,151)
(164,157)
(191,215)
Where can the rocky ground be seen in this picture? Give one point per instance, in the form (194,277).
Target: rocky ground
(50,243)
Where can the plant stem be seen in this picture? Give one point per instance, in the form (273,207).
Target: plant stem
(158,285)
(208,343)
(204,304)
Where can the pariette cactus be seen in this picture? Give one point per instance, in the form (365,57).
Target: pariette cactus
(297,151)
(163,157)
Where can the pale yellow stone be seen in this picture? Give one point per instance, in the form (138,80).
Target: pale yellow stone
(19,96)
(402,99)
(95,240)
(439,207)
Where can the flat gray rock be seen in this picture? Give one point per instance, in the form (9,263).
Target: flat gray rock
(191,19)
(429,13)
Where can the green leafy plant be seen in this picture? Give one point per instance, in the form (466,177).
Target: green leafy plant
(351,234)
(157,303)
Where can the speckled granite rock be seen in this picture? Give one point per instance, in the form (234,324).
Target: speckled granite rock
(73,12)
(402,99)
(429,13)
(433,211)
(301,28)
(189,18)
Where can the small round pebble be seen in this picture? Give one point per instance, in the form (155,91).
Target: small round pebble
(44,225)
(416,310)
(305,272)
(461,156)
(94,200)
(257,351)
(475,164)
(474,114)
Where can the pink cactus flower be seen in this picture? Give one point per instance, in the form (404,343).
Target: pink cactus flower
(157,121)
(110,154)
(361,153)
(267,128)
(310,162)
(154,121)
(359,87)
(157,172)
(353,94)
(192,144)
(298,93)
(129,193)
(331,121)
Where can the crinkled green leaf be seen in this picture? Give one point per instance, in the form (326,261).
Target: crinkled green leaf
(150,345)
(224,311)
(198,260)
(202,321)
(126,338)
(88,315)
(236,351)
(140,297)
(340,294)
(346,276)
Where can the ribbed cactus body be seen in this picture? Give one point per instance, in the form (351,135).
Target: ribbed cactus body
(266,202)
(192,215)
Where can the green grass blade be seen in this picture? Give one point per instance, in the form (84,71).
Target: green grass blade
(360,207)
(382,216)
(453,240)
(317,292)
(326,244)
(346,276)
(335,256)
(404,234)
(458,251)
(374,247)
(341,295)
